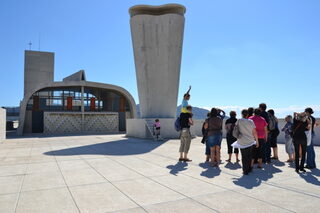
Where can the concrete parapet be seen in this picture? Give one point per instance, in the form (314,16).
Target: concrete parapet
(137,128)
(2,124)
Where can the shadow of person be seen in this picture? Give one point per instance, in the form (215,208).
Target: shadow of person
(315,172)
(232,166)
(278,163)
(310,178)
(248,181)
(255,178)
(178,167)
(292,165)
(268,172)
(209,172)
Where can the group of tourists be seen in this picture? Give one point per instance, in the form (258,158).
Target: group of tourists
(254,134)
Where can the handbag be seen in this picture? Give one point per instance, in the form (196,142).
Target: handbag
(236,132)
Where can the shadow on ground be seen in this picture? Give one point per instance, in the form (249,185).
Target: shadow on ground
(119,147)
(311,177)
(233,166)
(178,167)
(210,171)
(255,178)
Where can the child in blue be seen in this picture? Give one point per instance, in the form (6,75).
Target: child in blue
(185,100)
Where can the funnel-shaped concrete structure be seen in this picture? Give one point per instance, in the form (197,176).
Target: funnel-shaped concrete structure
(157,36)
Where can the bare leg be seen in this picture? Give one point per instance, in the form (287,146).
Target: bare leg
(185,155)
(218,154)
(237,157)
(292,156)
(260,162)
(212,155)
(300,151)
(230,155)
(275,152)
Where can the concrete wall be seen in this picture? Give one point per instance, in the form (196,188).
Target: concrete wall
(2,124)
(137,128)
(157,43)
(38,69)
(71,122)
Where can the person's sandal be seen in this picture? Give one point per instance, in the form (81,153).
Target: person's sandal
(181,159)
(229,160)
(187,160)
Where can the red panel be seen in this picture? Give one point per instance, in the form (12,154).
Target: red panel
(36,103)
(92,104)
(69,103)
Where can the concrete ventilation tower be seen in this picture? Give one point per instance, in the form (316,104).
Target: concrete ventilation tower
(38,68)
(157,37)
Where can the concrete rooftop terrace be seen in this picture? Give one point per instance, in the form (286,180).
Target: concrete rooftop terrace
(111,173)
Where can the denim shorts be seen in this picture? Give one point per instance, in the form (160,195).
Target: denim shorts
(215,139)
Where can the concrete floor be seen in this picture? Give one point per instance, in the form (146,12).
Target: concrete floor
(115,174)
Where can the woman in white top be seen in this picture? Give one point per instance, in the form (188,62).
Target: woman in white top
(246,139)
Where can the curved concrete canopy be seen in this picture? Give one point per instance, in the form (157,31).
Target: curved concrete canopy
(124,92)
(157,10)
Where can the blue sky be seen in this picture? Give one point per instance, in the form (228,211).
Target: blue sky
(236,53)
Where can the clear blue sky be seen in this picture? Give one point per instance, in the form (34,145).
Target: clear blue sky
(236,53)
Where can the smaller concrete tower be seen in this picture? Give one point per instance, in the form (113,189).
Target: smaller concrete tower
(38,68)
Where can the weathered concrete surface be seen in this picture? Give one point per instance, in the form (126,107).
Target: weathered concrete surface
(157,37)
(78,76)
(116,174)
(38,68)
(2,124)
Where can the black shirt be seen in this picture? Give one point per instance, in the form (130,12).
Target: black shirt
(265,115)
(298,129)
(231,120)
(184,120)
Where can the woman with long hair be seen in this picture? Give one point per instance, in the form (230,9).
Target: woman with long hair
(214,127)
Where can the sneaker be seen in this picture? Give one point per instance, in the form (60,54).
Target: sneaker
(303,170)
